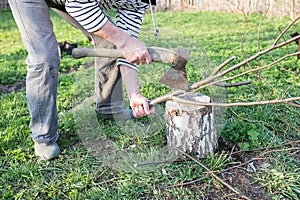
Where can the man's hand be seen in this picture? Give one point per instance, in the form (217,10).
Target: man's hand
(138,103)
(134,50)
(140,106)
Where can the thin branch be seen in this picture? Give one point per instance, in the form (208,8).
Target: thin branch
(259,157)
(283,119)
(280,150)
(257,121)
(237,166)
(232,84)
(260,23)
(184,101)
(220,67)
(294,104)
(285,30)
(244,62)
(244,73)
(211,80)
(271,147)
(242,164)
(165,97)
(212,174)
(253,121)
(158,162)
(244,33)
(181,184)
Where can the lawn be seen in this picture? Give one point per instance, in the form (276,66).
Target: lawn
(265,136)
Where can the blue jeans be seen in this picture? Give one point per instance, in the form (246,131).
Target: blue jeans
(33,20)
(108,79)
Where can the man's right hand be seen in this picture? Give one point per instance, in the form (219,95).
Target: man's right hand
(133,49)
(136,51)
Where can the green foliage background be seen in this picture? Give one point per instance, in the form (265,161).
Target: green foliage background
(212,37)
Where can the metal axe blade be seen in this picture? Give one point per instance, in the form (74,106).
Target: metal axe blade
(176,76)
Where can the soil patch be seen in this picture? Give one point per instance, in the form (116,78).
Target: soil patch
(16,87)
(21,85)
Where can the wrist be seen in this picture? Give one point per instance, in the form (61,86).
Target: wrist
(135,94)
(119,38)
(112,33)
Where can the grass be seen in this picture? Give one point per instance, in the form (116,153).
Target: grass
(83,172)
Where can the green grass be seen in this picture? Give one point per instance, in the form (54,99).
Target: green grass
(82,171)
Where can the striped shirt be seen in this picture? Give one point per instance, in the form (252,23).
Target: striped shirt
(90,14)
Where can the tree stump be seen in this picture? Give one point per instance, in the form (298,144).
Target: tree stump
(191,128)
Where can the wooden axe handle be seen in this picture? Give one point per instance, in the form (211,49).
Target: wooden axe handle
(158,54)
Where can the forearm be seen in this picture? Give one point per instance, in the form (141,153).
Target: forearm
(131,80)
(138,103)
(133,50)
(113,34)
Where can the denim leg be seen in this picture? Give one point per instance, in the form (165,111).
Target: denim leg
(108,79)
(33,20)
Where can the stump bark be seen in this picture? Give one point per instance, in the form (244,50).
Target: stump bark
(191,128)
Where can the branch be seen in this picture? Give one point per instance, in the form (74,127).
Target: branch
(181,184)
(259,157)
(212,174)
(220,67)
(285,30)
(254,121)
(244,62)
(158,162)
(165,97)
(265,148)
(260,23)
(184,101)
(232,84)
(247,72)
(211,80)
(294,104)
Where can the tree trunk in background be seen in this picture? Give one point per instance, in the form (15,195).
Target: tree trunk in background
(281,8)
(182,4)
(253,5)
(292,15)
(237,4)
(191,128)
(271,5)
(4,4)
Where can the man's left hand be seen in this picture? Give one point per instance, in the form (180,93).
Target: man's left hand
(140,106)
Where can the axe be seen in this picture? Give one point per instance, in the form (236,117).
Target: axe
(175,77)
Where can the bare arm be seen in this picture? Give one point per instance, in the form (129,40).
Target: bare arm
(133,49)
(136,52)
(138,103)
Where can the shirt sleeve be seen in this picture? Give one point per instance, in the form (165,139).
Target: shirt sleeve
(87,13)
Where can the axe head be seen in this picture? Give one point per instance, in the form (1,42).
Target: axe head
(176,77)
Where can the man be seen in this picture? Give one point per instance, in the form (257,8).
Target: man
(33,20)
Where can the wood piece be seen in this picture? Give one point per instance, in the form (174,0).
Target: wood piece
(191,128)
(158,54)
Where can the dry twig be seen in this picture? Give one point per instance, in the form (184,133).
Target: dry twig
(182,184)
(260,157)
(184,101)
(213,175)
(271,147)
